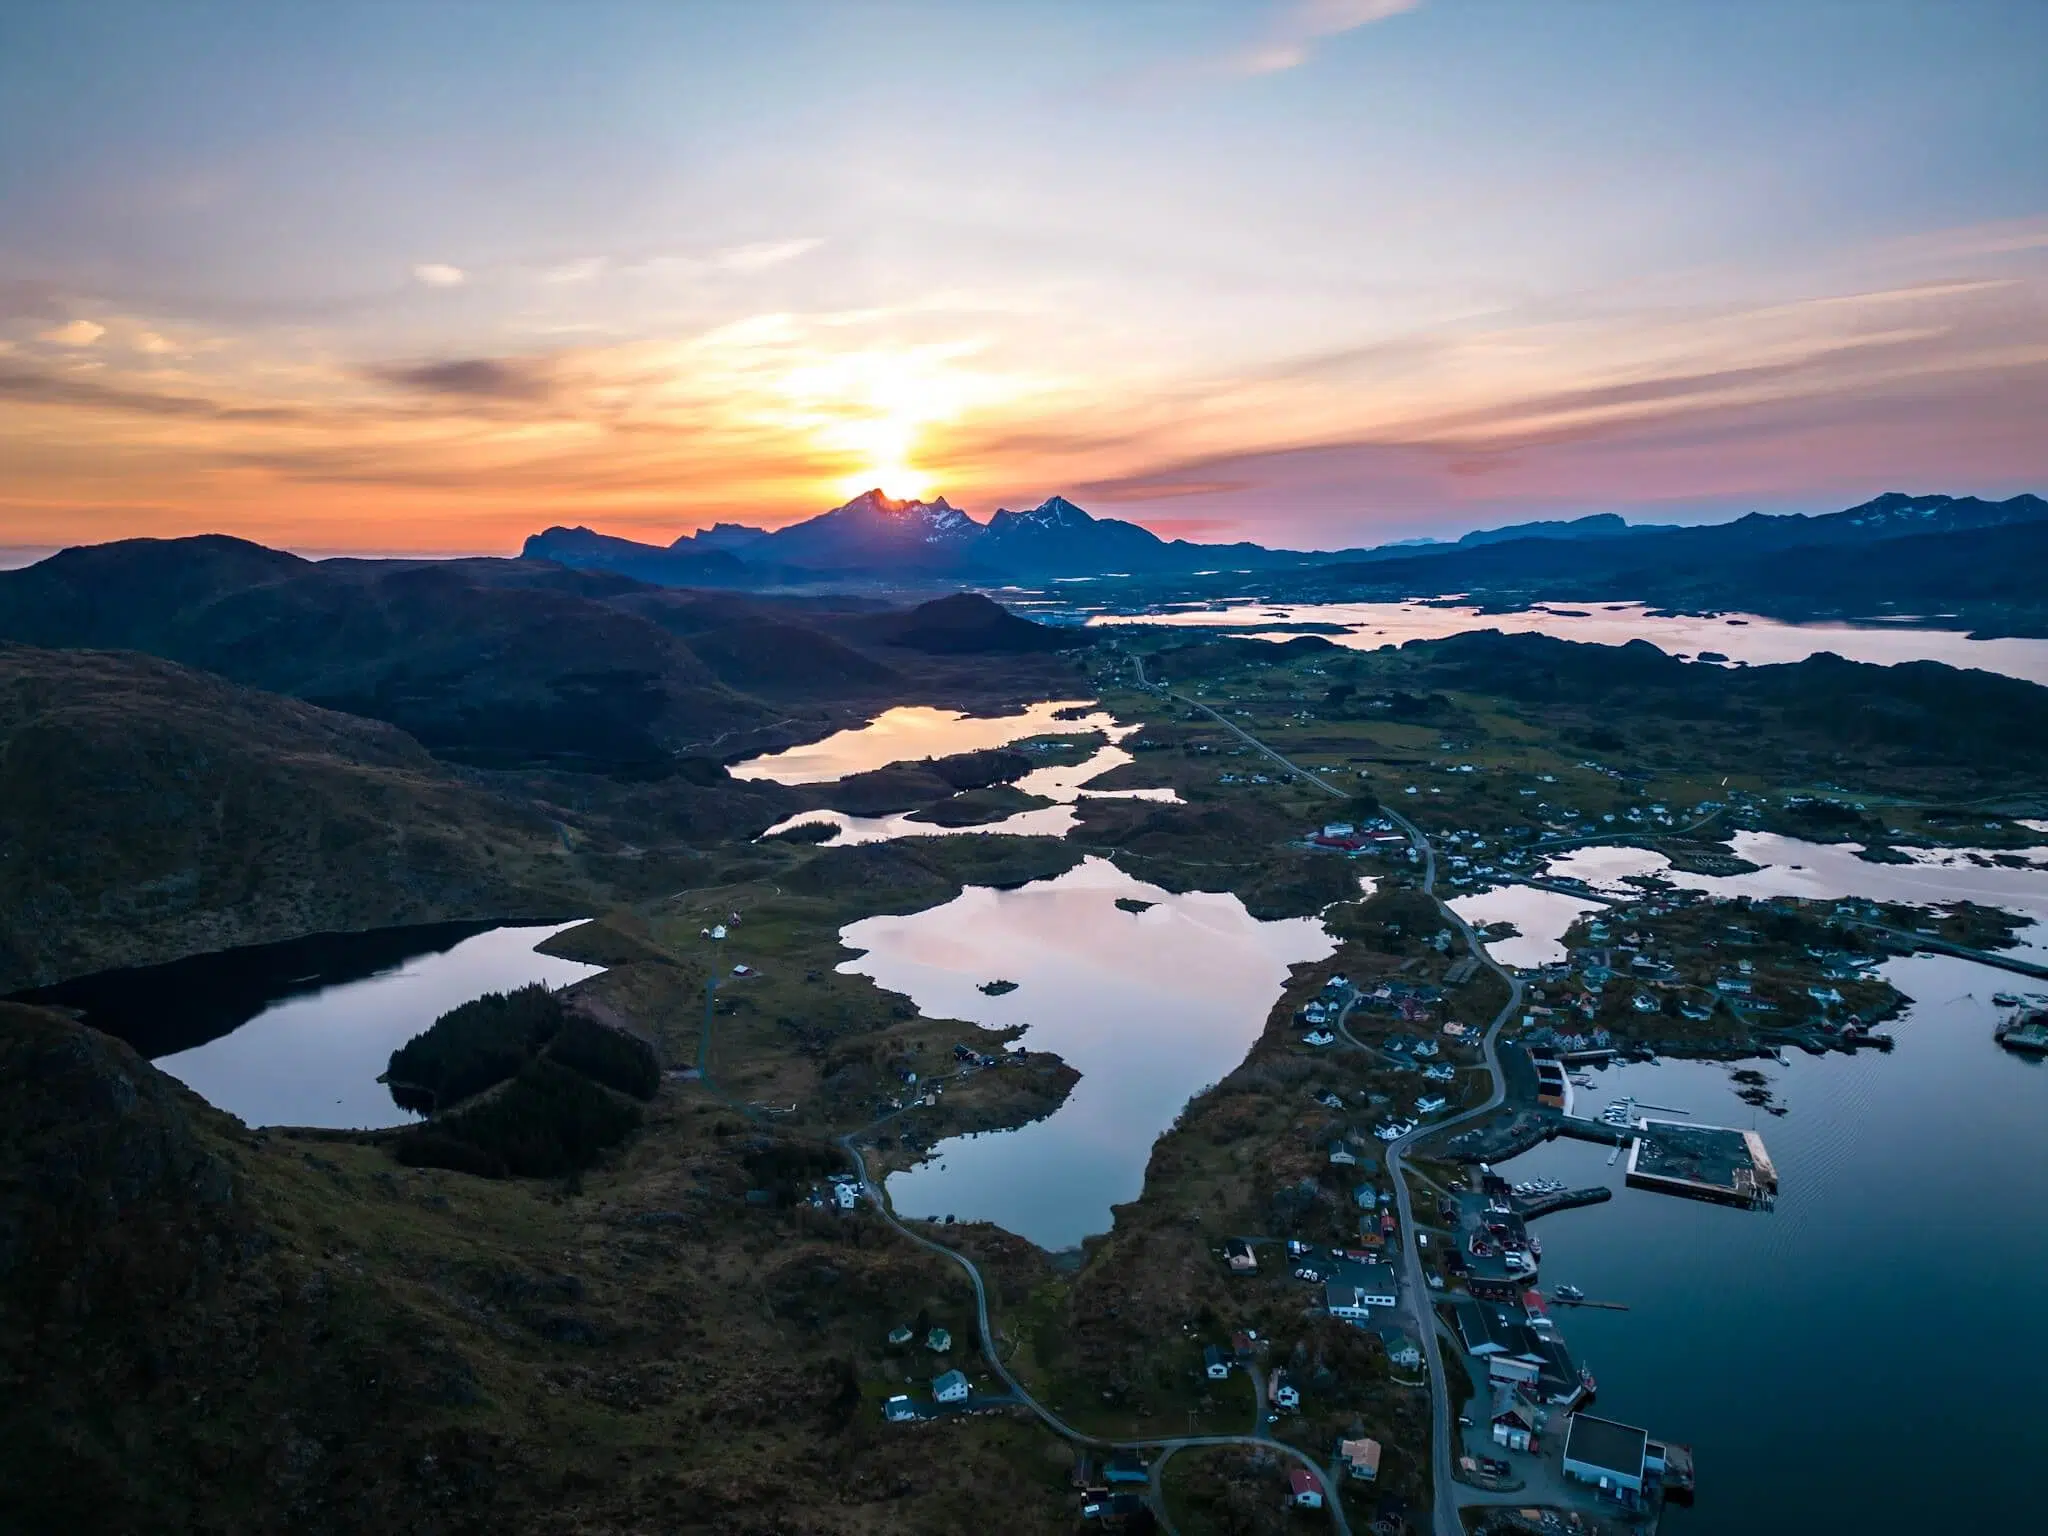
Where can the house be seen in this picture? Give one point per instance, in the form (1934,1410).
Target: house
(1304,1489)
(1126,1467)
(1342,1155)
(899,1409)
(938,1341)
(1375,1283)
(1611,1457)
(1215,1363)
(898,1337)
(1515,1427)
(1401,1350)
(1244,1344)
(1361,1458)
(1281,1392)
(1345,1300)
(847,1195)
(1237,1253)
(951,1387)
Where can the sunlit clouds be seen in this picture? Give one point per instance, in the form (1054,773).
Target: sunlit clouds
(1374,269)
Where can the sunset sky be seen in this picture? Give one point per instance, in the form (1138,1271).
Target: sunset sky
(432,276)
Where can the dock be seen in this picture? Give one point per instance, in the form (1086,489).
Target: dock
(1703,1162)
(1561,1200)
(1581,1129)
(2004,960)
(1584,1301)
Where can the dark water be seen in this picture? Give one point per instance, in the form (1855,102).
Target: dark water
(1863,1358)
(296,1033)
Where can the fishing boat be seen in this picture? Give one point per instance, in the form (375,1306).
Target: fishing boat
(1568,1293)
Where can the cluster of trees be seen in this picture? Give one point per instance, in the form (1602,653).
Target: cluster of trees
(521,1087)
(546,1122)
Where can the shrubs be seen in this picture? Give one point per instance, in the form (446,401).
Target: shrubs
(520,1084)
(606,1055)
(469,1048)
(546,1122)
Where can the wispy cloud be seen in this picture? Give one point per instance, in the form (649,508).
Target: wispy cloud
(1294,32)
(75,333)
(438,274)
(473,378)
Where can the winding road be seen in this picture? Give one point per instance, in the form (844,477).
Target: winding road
(1447,1520)
(849,1143)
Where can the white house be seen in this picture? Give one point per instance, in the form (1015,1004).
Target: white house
(846,1195)
(951,1387)
(1306,1492)
(1402,1350)
(1283,1394)
(1361,1458)
(898,1409)
(1215,1363)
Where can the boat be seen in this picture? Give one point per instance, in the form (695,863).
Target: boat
(2005,999)
(2026,1033)
(1568,1293)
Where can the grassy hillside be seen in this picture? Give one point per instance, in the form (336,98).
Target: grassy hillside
(148,811)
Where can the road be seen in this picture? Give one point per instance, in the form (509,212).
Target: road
(850,1145)
(1059,1426)
(1446,1520)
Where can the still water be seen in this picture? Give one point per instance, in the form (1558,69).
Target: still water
(1151,1007)
(911,732)
(285,1046)
(1792,867)
(1739,637)
(1862,1358)
(1062,783)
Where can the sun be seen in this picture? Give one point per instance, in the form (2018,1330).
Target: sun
(898,481)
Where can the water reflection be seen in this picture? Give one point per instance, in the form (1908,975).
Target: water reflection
(1791,867)
(1737,637)
(1910,1193)
(312,1058)
(1150,1007)
(1062,783)
(910,732)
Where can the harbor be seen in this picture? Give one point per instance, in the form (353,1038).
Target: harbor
(1948,1123)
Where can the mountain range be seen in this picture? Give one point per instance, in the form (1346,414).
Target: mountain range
(875,537)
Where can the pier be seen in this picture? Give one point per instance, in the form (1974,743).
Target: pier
(2001,959)
(1563,1200)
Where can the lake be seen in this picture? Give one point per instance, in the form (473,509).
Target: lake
(912,732)
(1861,1358)
(1151,1007)
(1739,637)
(1792,867)
(1062,783)
(297,1033)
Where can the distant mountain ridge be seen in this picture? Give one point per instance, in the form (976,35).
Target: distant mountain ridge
(875,535)
(879,535)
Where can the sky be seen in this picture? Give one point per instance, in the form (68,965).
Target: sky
(430,276)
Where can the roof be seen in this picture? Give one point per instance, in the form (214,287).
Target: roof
(1364,1455)
(1213,1355)
(1339,1293)
(1301,1480)
(1486,1324)
(949,1381)
(1604,1444)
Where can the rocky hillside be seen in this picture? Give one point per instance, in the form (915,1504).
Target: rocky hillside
(149,811)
